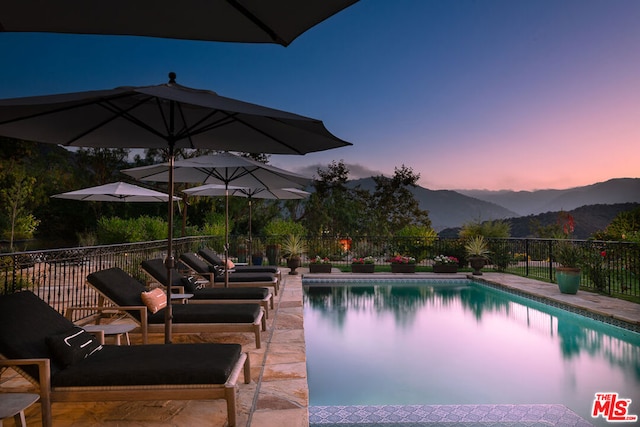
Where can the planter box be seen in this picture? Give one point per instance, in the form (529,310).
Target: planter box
(319,268)
(362,268)
(403,268)
(445,268)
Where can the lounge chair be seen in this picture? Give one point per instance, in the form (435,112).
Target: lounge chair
(157,272)
(214,259)
(215,274)
(30,334)
(125,293)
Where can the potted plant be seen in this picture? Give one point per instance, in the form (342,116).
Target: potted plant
(363,265)
(293,246)
(403,264)
(256,252)
(568,272)
(320,265)
(445,264)
(477,250)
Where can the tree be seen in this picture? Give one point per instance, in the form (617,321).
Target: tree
(625,227)
(333,209)
(15,197)
(393,206)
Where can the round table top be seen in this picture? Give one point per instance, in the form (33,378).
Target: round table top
(111,328)
(12,403)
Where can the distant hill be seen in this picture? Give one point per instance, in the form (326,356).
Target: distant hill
(619,190)
(588,220)
(448,208)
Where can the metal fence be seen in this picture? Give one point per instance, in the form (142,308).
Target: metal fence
(58,276)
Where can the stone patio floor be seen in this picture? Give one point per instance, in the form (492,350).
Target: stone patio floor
(278,394)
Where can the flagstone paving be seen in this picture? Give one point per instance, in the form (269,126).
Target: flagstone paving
(278,393)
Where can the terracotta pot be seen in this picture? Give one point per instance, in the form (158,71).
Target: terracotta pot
(362,268)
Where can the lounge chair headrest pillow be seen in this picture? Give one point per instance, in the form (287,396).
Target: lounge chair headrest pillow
(155,300)
(73,346)
(191,284)
(218,270)
(230,265)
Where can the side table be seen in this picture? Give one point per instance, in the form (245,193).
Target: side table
(14,404)
(116,330)
(183,298)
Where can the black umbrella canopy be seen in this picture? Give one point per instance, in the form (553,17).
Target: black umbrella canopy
(252,21)
(162,116)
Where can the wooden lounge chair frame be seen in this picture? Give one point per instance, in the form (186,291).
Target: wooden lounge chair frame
(266,302)
(146,328)
(50,394)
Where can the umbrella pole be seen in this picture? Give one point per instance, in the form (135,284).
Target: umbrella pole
(226,236)
(169,261)
(250,238)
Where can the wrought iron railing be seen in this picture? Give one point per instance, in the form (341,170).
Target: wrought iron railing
(58,275)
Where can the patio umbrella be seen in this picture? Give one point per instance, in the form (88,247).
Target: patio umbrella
(116,192)
(251,193)
(253,21)
(222,169)
(167,116)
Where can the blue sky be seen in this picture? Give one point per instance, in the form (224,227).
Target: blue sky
(496,94)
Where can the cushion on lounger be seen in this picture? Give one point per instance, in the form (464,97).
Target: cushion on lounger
(73,345)
(231,293)
(211,256)
(25,322)
(209,313)
(158,270)
(155,300)
(247,277)
(152,364)
(117,285)
(194,262)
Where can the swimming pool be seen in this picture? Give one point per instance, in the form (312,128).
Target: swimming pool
(459,342)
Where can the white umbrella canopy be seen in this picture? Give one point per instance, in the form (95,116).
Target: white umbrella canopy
(253,21)
(116,192)
(222,169)
(213,190)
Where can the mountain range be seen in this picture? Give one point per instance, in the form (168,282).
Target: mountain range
(450,209)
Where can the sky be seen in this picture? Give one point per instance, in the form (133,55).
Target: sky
(470,94)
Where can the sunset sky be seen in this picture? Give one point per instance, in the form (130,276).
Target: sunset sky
(491,94)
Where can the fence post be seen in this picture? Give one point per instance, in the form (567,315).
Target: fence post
(551,261)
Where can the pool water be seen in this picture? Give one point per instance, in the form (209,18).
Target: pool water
(460,343)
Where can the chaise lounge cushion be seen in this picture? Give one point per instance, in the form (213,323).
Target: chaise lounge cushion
(231,293)
(141,365)
(23,330)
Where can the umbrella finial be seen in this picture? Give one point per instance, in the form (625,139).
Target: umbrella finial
(172,77)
